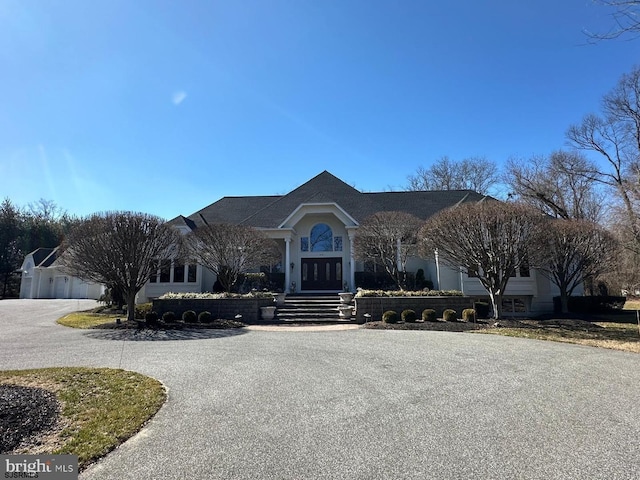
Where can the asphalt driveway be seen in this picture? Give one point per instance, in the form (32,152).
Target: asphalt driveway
(354,404)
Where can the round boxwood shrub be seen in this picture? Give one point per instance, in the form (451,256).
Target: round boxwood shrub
(189,316)
(450,315)
(151,318)
(205,317)
(390,316)
(469,315)
(141,310)
(168,317)
(408,315)
(429,315)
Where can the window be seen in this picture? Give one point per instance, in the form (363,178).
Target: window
(514,305)
(178,273)
(337,243)
(321,238)
(165,271)
(191,273)
(524,269)
(304,244)
(339,271)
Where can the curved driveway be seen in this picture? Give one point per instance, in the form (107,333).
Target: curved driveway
(354,404)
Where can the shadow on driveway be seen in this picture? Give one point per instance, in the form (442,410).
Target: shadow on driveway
(150,335)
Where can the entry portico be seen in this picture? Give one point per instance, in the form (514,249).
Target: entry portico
(318,248)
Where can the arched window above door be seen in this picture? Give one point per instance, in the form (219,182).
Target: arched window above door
(321,239)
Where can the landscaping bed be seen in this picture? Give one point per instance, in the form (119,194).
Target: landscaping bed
(438,326)
(76,411)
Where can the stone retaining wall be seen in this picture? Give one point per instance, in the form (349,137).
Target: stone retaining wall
(224,308)
(376,306)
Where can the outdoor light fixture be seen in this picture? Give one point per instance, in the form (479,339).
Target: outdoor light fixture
(292,265)
(367,317)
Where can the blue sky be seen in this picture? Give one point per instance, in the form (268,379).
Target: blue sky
(164,107)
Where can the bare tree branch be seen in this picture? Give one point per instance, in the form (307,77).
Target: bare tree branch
(571,250)
(119,250)
(493,239)
(389,238)
(559,185)
(474,173)
(615,137)
(626,19)
(228,250)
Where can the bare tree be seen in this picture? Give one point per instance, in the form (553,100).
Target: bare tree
(491,239)
(615,137)
(557,185)
(389,238)
(571,250)
(228,250)
(626,19)
(474,173)
(45,210)
(118,249)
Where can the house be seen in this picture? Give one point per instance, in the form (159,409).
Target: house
(314,226)
(42,277)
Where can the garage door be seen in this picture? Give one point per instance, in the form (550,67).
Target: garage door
(59,287)
(78,289)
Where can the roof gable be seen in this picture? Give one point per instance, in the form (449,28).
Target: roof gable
(325,188)
(44,257)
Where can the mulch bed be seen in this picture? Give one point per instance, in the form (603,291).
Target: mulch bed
(439,326)
(24,413)
(459,326)
(216,324)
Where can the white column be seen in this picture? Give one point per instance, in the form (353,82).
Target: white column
(352,264)
(287,263)
(437,287)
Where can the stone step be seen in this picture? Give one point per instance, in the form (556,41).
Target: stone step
(310,308)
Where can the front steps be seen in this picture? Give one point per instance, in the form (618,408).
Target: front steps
(311,309)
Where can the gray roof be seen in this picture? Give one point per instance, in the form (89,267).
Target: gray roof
(271,211)
(44,257)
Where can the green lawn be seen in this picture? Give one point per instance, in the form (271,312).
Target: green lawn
(101,407)
(88,319)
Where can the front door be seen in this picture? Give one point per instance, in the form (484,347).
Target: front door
(321,273)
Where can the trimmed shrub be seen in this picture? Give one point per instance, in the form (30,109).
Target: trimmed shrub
(469,315)
(168,317)
(408,316)
(189,316)
(205,317)
(151,318)
(140,311)
(482,309)
(450,315)
(591,304)
(390,317)
(429,315)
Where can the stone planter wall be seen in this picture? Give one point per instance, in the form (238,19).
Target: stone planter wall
(224,308)
(376,306)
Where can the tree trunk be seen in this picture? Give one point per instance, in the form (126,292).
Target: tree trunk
(131,306)
(564,302)
(496,303)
